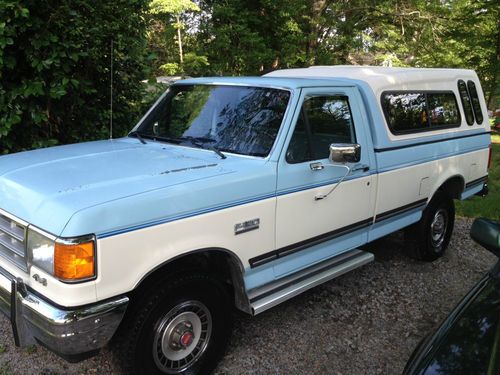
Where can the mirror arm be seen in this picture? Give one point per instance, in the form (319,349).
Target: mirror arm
(323,196)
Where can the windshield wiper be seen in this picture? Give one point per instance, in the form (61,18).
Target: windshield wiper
(198,142)
(138,135)
(218,152)
(197,139)
(167,139)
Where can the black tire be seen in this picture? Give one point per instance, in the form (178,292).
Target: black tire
(429,238)
(190,300)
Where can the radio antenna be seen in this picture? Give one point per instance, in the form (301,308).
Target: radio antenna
(111,95)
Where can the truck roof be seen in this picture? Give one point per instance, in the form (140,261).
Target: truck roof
(265,81)
(377,77)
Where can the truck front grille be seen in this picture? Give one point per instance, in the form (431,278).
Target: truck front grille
(13,240)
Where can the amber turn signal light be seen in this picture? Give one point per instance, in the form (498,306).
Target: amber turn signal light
(73,262)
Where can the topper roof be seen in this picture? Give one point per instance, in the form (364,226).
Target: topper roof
(376,76)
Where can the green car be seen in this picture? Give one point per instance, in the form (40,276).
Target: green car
(468,341)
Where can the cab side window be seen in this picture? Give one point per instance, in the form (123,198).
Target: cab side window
(323,120)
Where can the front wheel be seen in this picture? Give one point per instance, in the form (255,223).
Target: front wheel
(429,238)
(180,328)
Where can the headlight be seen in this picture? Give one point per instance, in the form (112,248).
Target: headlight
(67,259)
(41,249)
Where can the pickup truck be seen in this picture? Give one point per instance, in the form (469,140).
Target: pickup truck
(231,192)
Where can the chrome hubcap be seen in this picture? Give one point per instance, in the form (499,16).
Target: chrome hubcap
(439,226)
(182,337)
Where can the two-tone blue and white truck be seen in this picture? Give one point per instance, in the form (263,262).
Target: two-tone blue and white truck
(231,192)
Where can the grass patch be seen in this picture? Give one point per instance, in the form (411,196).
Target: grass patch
(3,348)
(31,349)
(490,205)
(495,138)
(5,370)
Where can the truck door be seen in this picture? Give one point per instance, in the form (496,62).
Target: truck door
(309,226)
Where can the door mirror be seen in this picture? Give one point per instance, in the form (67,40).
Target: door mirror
(487,234)
(345,153)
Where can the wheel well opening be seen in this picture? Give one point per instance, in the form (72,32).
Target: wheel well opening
(454,187)
(221,263)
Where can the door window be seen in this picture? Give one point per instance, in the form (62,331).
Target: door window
(323,120)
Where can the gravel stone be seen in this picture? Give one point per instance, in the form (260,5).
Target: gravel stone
(365,322)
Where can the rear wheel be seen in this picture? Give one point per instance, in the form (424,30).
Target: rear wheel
(429,238)
(181,327)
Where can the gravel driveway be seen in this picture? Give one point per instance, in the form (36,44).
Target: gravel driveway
(365,322)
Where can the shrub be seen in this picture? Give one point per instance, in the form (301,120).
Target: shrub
(55,69)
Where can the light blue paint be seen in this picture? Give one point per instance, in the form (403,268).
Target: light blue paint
(389,160)
(109,186)
(427,160)
(266,196)
(393,224)
(241,202)
(256,277)
(273,82)
(315,254)
(326,182)
(471,191)
(184,216)
(281,267)
(47,187)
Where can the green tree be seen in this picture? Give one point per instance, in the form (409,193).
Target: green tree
(174,8)
(54,59)
(54,70)
(454,34)
(251,37)
(475,40)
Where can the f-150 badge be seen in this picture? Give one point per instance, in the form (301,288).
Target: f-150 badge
(246,226)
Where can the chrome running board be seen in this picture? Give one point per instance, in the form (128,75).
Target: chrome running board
(274,293)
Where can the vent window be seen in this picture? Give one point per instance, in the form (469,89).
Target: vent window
(476,105)
(466,102)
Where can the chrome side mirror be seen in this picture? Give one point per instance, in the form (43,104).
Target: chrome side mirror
(345,153)
(156,128)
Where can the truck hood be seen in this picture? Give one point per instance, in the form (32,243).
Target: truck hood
(47,187)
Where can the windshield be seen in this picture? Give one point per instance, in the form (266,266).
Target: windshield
(237,119)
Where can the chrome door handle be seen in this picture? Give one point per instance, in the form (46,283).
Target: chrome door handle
(316,166)
(360,167)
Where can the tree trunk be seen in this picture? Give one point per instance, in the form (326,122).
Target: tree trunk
(179,39)
(317,7)
(496,68)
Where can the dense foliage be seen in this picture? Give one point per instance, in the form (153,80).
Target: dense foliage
(55,69)
(251,37)
(55,55)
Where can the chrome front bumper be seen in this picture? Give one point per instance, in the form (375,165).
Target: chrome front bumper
(67,332)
